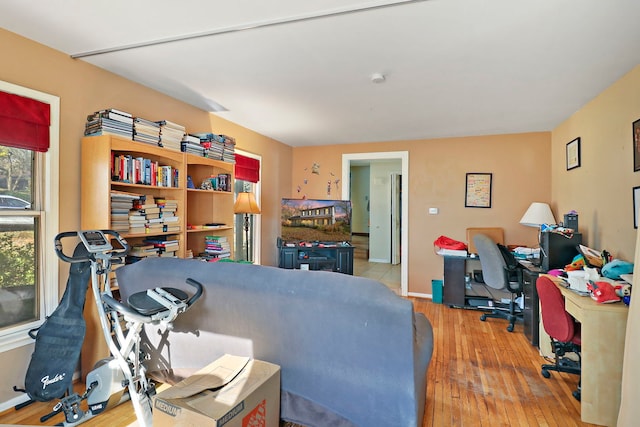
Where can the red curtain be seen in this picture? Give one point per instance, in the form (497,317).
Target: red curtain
(24,122)
(247,169)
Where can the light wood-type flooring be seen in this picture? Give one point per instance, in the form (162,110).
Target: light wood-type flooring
(480,375)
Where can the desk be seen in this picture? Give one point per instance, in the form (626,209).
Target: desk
(531,312)
(603,332)
(455,292)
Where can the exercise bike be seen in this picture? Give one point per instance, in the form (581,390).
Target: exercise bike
(122,376)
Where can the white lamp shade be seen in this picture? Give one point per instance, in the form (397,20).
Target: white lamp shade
(538,214)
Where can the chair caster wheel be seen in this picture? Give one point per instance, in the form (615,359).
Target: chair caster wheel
(576,395)
(483,317)
(546,373)
(510,328)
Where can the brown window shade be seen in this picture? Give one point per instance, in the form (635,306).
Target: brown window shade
(24,122)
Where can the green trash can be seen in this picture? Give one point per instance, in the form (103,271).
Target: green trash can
(436,291)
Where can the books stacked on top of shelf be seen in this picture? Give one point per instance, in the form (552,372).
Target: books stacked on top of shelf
(146,131)
(213,144)
(191,144)
(216,247)
(109,122)
(121,204)
(229,150)
(166,247)
(171,135)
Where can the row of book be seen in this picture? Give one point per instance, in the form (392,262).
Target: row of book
(163,133)
(140,170)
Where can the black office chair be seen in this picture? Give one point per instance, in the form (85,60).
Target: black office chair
(502,276)
(561,327)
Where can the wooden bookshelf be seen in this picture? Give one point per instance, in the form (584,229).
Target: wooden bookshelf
(196,207)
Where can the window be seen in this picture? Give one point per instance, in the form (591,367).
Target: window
(247,179)
(28,225)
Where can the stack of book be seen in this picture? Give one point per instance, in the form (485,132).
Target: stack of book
(109,122)
(165,247)
(140,251)
(146,131)
(171,135)
(217,247)
(168,209)
(191,144)
(145,216)
(229,150)
(121,204)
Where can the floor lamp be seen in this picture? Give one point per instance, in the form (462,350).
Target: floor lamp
(246,204)
(537,215)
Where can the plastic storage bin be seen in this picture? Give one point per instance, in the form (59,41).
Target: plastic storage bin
(436,291)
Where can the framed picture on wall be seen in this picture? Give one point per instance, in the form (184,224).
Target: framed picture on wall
(478,190)
(573,154)
(636,206)
(636,145)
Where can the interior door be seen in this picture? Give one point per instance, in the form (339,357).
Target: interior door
(396,215)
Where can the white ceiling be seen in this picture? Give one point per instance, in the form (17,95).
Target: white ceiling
(452,67)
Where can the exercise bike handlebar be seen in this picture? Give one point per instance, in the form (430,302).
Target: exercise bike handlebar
(114,253)
(135,315)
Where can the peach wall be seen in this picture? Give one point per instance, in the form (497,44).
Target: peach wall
(601,189)
(275,179)
(521,174)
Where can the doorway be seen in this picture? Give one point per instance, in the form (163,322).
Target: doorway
(384,212)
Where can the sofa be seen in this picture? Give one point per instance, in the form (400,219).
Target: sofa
(351,352)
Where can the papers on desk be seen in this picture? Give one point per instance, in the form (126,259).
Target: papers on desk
(566,284)
(453,252)
(526,253)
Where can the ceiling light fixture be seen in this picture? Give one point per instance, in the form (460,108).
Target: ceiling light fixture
(243,27)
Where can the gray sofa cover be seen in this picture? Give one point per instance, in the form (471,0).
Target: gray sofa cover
(351,352)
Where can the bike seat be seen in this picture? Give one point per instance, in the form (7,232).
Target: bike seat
(147,306)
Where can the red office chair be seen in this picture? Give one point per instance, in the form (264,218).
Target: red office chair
(561,327)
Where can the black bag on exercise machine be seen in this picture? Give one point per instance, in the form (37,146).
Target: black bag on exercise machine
(59,339)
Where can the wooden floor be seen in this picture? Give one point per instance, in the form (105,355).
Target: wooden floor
(480,375)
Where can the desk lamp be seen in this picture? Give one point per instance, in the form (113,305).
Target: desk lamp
(246,204)
(537,215)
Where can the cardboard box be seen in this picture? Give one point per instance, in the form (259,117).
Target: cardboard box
(233,391)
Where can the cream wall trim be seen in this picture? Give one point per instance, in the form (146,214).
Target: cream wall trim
(346,185)
(49,277)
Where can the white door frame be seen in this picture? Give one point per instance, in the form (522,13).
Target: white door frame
(403,156)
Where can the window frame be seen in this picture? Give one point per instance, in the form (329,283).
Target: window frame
(256,219)
(46,204)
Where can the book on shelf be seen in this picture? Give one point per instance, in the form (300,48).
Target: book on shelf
(113,114)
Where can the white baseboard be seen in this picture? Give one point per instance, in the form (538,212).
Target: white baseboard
(13,402)
(420,295)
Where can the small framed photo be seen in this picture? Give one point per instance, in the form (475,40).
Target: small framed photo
(636,145)
(573,154)
(636,206)
(478,190)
